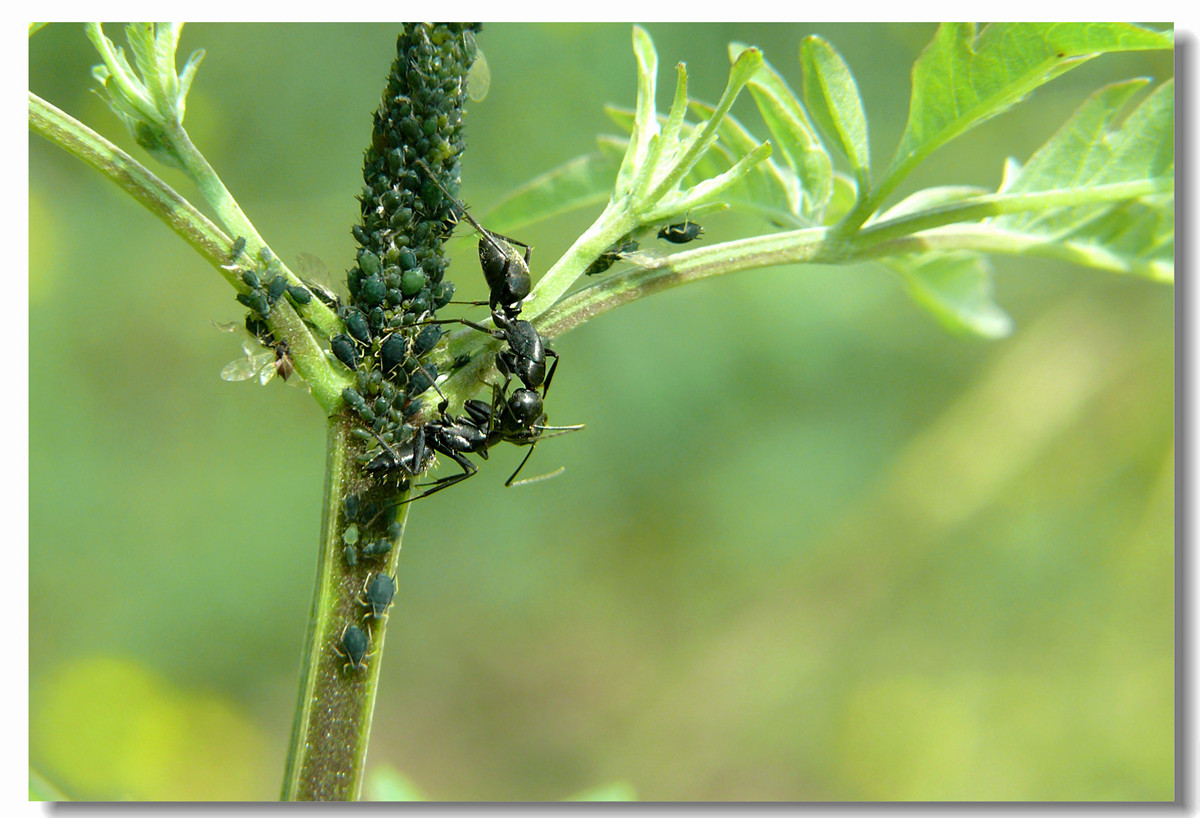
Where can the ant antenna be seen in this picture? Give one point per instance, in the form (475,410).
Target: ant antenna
(479,227)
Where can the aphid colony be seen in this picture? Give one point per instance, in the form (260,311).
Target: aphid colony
(391,329)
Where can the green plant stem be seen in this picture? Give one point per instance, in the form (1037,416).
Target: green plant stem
(235,221)
(810,245)
(201,234)
(333,715)
(997,204)
(135,179)
(986,239)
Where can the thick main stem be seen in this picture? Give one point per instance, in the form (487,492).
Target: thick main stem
(333,715)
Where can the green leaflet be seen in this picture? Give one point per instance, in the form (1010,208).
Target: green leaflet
(957,289)
(835,104)
(581,182)
(768,190)
(965,76)
(1088,152)
(792,135)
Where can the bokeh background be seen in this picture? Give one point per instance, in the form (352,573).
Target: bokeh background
(810,546)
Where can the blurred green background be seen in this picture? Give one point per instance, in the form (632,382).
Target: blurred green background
(809,547)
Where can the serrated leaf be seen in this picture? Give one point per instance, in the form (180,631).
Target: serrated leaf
(957,289)
(793,135)
(835,104)
(1087,152)
(582,182)
(965,76)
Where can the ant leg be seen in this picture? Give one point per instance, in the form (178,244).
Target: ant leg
(469,469)
(513,476)
(445,401)
(550,373)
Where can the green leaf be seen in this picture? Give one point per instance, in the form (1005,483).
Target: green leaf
(1136,236)
(581,182)
(792,135)
(645,125)
(835,104)
(767,189)
(965,76)
(956,288)
(929,199)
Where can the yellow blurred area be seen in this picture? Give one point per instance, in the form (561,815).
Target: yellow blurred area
(111,729)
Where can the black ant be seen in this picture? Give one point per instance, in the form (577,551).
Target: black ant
(519,419)
(505,270)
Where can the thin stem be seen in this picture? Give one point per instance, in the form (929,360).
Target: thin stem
(193,227)
(996,204)
(135,179)
(796,247)
(987,239)
(328,749)
(235,220)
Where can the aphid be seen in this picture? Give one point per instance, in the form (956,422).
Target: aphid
(264,365)
(315,276)
(611,256)
(357,325)
(681,233)
(377,595)
(276,288)
(353,644)
(235,250)
(255,300)
(299,294)
(479,78)
(350,507)
(392,353)
(343,349)
(376,549)
(350,554)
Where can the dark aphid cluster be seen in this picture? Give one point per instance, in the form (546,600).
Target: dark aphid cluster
(369,527)
(263,289)
(399,282)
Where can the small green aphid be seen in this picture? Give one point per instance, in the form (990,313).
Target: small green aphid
(377,595)
(353,645)
(350,535)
